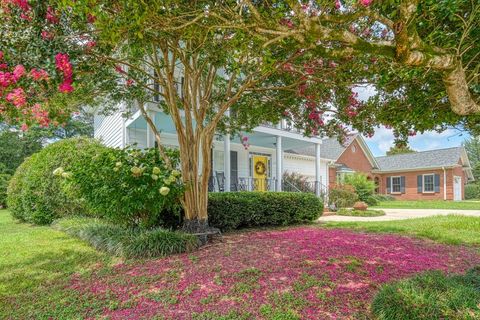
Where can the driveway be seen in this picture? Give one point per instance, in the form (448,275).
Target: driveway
(401,214)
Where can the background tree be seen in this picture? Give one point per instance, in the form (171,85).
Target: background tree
(472,146)
(400,147)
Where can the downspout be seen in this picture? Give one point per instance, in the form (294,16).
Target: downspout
(444,183)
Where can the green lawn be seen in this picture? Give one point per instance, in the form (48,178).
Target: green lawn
(450,229)
(430,204)
(37,259)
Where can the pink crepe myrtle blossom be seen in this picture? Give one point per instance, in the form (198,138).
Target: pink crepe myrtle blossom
(338,5)
(51,16)
(91,18)
(91,44)
(24,127)
(18,72)
(366,3)
(6,79)
(17,97)
(65,87)
(3,66)
(38,74)
(46,35)
(129,82)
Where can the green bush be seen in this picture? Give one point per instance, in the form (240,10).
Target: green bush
(431,295)
(4,179)
(233,210)
(372,200)
(342,196)
(472,191)
(129,187)
(363,187)
(360,213)
(383,197)
(33,193)
(127,242)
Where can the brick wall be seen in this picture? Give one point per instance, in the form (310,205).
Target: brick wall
(411,192)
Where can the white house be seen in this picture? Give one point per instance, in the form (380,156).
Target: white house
(234,168)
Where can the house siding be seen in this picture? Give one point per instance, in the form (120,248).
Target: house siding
(110,129)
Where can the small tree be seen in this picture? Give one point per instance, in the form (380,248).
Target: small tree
(363,187)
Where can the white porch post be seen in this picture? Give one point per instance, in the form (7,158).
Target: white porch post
(279,167)
(226,158)
(150,134)
(317,170)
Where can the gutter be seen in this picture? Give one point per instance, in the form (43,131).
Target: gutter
(444,183)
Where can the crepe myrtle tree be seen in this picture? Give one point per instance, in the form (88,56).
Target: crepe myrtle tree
(230,65)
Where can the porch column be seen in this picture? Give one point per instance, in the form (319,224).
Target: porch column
(317,170)
(279,167)
(150,134)
(226,158)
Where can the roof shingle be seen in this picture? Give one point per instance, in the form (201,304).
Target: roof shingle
(424,159)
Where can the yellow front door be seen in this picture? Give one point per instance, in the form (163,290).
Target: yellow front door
(260,164)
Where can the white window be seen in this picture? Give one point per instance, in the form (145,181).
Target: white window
(429,183)
(396,184)
(218,161)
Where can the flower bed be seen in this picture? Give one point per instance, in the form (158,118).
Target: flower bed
(304,272)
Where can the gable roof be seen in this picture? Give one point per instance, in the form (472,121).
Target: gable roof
(425,159)
(331,149)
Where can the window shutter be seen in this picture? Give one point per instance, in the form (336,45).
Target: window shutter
(233,170)
(419,183)
(402,184)
(388,184)
(437,183)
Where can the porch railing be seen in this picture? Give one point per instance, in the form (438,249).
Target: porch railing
(217,184)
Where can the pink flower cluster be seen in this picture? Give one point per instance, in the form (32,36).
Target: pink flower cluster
(17,97)
(38,74)
(319,273)
(62,61)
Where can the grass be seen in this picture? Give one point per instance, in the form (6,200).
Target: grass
(360,213)
(430,204)
(34,258)
(450,229)
(431,295)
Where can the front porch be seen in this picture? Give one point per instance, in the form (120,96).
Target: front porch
(260,167)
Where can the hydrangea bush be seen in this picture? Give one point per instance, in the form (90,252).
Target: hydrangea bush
(129,187)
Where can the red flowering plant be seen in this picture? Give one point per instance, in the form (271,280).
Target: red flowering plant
(40,57)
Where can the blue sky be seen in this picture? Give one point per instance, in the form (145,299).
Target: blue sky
(383,140)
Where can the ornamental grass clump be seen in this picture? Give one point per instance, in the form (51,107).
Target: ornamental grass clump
(133,188)
(127,242)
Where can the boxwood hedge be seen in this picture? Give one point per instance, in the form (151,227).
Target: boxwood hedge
(233,210)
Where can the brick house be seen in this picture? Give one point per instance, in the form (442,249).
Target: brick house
(429,175)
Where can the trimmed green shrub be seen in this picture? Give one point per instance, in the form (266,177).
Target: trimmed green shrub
(431,295)
(472,191)
(372,200)
(33,193)
(360,213)
(127,242)
(363,187)
(129,187)
(4,179)
(342,196)
(233,210)
(383,197)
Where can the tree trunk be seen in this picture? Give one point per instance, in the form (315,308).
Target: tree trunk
(196,194)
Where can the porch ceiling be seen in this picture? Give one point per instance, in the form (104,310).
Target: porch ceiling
(261,139)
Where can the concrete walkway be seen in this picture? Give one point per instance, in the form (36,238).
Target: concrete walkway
(401,214)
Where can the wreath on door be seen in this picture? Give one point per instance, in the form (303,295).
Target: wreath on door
(260,168)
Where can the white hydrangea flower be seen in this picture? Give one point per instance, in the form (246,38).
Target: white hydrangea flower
(164,191)
(156,170)
(154,177)
(176,173)
(58,171)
